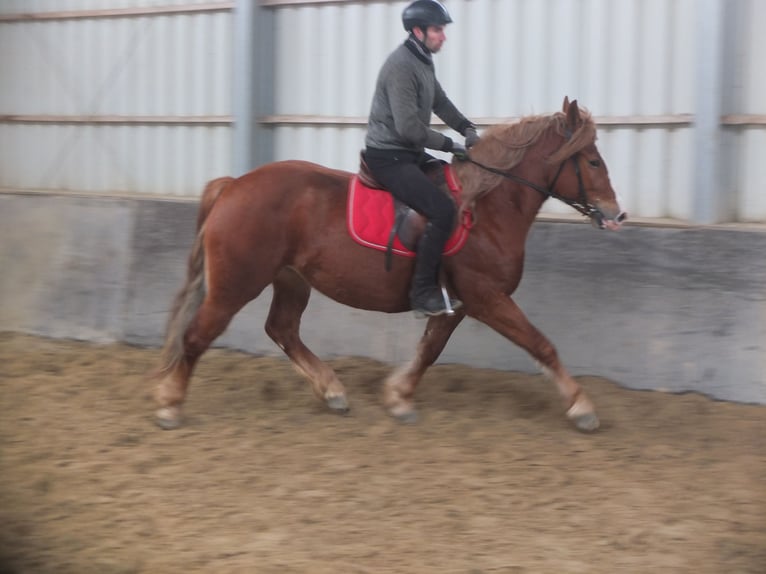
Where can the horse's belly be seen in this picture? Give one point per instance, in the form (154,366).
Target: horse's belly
(357,277)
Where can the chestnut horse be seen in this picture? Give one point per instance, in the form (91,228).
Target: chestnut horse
(284,224)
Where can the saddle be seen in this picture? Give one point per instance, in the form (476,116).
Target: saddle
(378,220)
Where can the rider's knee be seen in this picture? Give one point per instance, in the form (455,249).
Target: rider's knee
(444,217)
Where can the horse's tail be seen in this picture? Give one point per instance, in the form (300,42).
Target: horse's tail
(191,295)
(212,190)
(185,307)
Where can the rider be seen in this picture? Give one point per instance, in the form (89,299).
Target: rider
(398,132)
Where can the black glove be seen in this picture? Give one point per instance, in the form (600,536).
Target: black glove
(459,151)
(471,137)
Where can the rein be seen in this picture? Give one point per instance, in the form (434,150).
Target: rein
(581,204)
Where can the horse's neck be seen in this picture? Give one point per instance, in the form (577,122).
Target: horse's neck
(514,205)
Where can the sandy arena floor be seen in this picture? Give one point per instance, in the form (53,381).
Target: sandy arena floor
(262,479)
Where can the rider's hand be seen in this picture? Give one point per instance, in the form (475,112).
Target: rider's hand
(471,137)
(459,151)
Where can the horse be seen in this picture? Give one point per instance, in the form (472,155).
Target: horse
(284,224)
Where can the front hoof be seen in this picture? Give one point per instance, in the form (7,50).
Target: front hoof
(586,423)
(338,404)
(168,418)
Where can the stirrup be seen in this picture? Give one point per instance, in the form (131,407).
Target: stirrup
(447,302)
(435,306)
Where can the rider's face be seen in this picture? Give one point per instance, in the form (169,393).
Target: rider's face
(433,38)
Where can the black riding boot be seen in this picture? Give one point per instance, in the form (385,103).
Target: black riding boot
(426,296)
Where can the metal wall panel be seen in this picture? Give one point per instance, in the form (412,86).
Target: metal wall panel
(115,104)
(37,6)
(161,65)
(328,56)
(750,141)
(167,160)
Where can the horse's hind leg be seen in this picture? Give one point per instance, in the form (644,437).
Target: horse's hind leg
(291,295)
(210,321)
(399,388)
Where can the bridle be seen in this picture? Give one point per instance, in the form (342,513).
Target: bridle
(580,204)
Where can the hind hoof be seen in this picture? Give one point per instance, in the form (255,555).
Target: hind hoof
(586,423)
(409,418)
(338,404)
(405,416)
(582,414)
(168,418)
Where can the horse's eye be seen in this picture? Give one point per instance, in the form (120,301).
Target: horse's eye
(594,162)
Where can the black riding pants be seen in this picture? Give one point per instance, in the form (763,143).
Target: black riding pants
(399,171)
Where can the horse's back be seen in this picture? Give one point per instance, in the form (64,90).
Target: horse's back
(295,176)
(284,181)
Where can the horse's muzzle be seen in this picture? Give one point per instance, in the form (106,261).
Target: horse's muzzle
(602,220)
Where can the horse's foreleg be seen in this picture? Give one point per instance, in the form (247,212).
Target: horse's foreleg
(291,295)
(210,321)
(504,316)
(399,388)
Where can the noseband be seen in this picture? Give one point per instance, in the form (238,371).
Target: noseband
(580,204)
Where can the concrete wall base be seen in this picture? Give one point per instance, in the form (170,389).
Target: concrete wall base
(650,308)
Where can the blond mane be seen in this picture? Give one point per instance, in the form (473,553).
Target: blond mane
(504,146)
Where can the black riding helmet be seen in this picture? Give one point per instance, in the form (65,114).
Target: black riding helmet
(424,13)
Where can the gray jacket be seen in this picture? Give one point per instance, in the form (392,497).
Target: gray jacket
(406,94)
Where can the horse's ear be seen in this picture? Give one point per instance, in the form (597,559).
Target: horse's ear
(565,107)
(573,115)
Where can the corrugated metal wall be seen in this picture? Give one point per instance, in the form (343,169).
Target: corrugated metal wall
(632,63)
(748,100)
(115,102)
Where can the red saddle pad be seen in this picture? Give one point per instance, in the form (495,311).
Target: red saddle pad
(370,217)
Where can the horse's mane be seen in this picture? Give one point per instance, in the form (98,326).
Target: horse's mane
(503,146)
